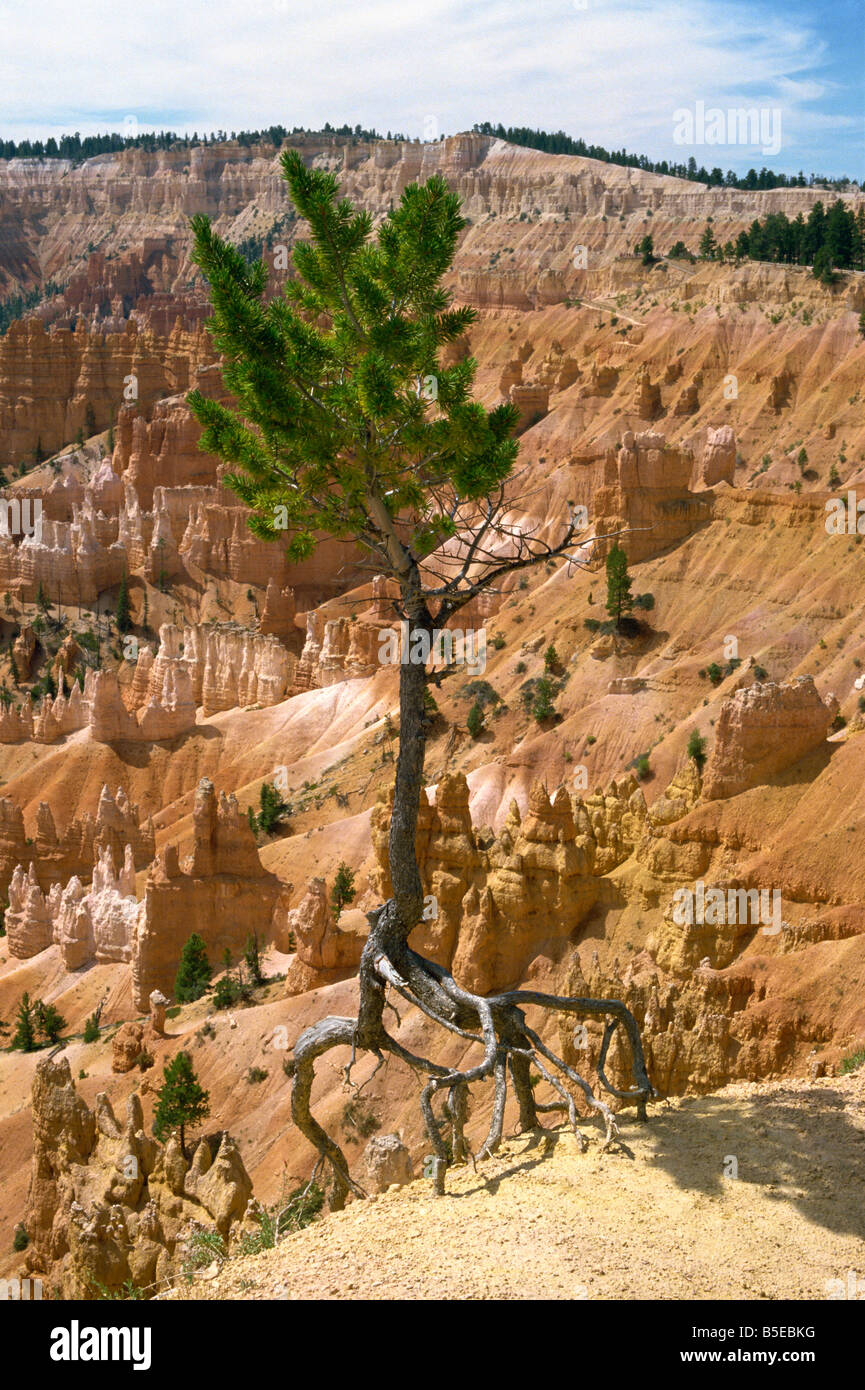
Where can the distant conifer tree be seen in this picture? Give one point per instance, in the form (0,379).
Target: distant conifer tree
(180,1100)
(193,972)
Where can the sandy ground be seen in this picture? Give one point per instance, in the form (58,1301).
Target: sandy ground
(656,1219)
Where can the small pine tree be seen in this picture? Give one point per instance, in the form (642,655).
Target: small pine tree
(273,808)
(551,658)
(619,601)
(708,245)
(343,890)
(475,720)
(180,1100)
(646,250)
(543,707)
(91,1029)
(48,1020)
(123,616)
(89,420)
(111,430)
(193,973)
(24,1037)
(42,599)
(697,749)
(252,959)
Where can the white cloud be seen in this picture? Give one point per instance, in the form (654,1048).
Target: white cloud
(613,73)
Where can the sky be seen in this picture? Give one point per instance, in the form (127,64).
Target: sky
(615,72)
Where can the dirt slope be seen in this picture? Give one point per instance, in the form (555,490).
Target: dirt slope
(658,1219)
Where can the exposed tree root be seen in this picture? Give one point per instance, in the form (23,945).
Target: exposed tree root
(496,1023)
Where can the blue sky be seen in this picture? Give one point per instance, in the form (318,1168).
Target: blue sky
(612,71)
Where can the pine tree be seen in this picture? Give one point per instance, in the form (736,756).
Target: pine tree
(48,1020)
(708,245)
(89,420)
(123,616)
(42,599)
(193,972)
(619,601)
(24,1036)
(273,808)
(180,1100)
(343,891)
(345,423)
(252,959)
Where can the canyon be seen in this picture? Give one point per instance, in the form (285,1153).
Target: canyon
(703,414)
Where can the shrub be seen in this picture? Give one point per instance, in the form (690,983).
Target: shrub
(91,1030)
(520,668)
(642,766)
(853,1062)
(697,749)
(202,1248)
(20,1239)
(645,601)
(760,672)
(255,1075)
(293,1213)
(358,1115)
(551,658)
(475,720)
(144,1060)
(714,673)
